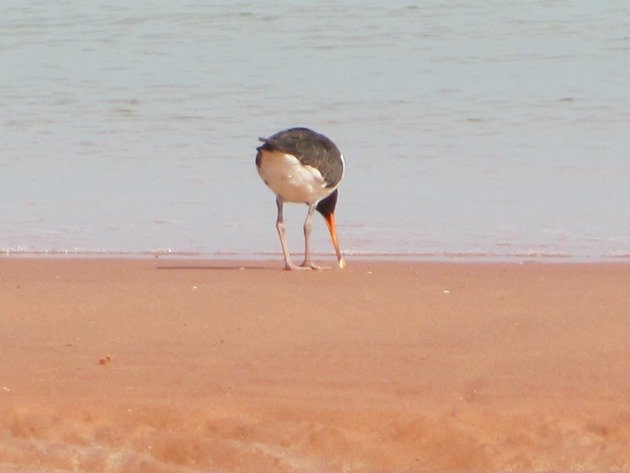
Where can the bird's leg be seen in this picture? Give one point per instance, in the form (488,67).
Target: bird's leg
(282,234)
(308,263)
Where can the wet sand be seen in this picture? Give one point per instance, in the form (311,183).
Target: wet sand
(162,365)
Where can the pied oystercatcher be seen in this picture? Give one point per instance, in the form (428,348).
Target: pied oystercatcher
(302,166)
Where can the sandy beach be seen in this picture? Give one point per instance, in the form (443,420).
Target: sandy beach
(170,365)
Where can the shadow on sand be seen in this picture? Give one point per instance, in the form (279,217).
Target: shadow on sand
(219,267)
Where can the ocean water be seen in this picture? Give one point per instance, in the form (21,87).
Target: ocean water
(470,129)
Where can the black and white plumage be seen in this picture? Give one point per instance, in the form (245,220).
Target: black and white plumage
(302,166)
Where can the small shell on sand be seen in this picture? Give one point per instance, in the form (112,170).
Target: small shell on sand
(105,360)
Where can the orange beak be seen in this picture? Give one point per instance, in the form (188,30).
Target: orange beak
(330,223)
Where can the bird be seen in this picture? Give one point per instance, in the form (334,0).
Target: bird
(302,166)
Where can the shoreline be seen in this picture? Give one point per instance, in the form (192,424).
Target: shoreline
(377,257)
(181,364)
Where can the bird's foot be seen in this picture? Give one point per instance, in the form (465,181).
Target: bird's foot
(292,267)
(310,265)
(305,266)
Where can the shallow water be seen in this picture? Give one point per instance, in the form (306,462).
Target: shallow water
(480,130)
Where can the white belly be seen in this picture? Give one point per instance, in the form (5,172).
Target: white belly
(292,181)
